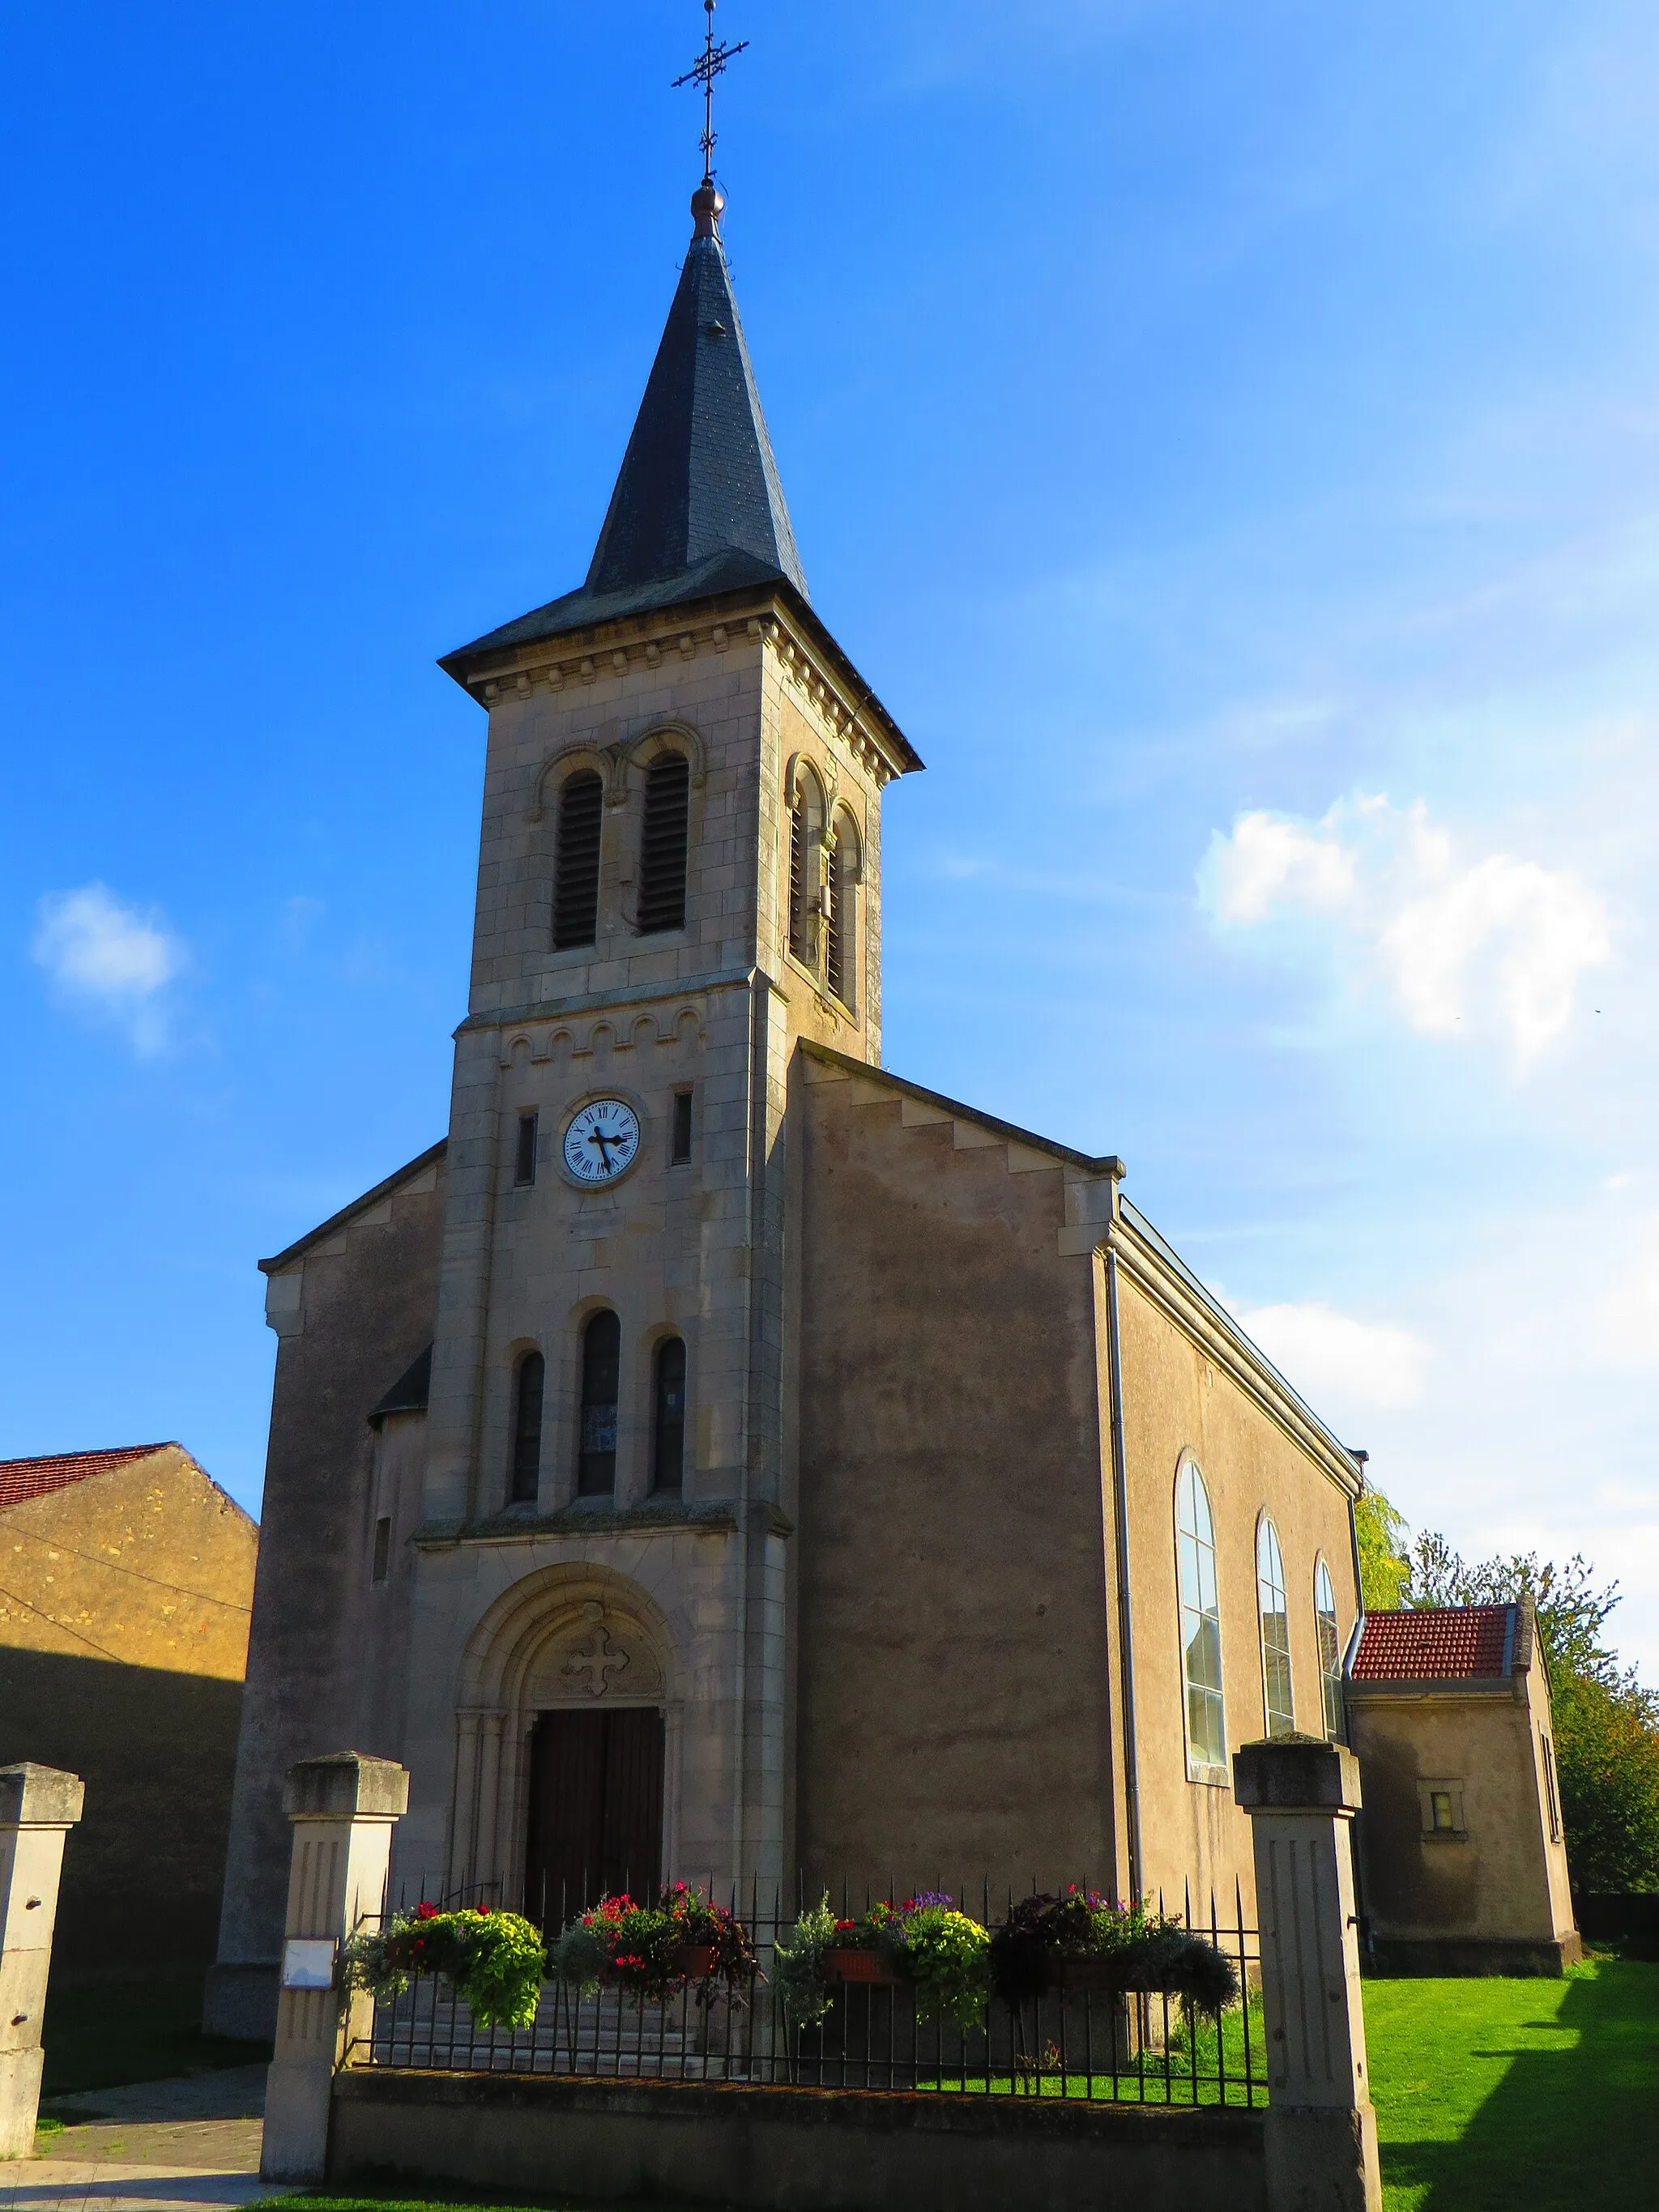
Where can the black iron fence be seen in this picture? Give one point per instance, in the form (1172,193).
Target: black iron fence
(1081,2037)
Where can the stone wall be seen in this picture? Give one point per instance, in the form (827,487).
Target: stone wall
(352,1306)
(1187,1396)
(953,1712)
(812,2150)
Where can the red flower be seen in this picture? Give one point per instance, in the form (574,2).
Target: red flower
(424,1911)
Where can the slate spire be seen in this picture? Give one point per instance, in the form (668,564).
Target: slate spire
(698,508)
(698,481)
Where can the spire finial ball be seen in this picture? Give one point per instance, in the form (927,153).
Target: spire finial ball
(707,205)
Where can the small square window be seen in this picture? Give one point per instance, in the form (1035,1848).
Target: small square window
(680,1149)
(1441,1804)
(524,1165)
(382,1547)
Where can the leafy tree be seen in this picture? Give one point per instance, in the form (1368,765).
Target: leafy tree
(1571,1612)
(1607,1762)
(1384,1570)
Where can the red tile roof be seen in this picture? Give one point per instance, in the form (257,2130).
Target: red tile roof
(1438,1643)
(23,1479)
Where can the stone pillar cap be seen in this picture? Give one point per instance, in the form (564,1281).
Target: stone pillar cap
(34,1796)
(1296,1773)
(346,1785)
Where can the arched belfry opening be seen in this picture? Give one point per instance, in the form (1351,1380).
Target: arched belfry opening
(567,1745)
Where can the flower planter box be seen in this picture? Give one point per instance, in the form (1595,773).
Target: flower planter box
(1075,1975)
(696,1961)
(867,1966)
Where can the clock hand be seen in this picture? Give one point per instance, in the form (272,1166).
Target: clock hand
(600,1139)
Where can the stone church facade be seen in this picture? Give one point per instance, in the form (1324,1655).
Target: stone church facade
(721,1457)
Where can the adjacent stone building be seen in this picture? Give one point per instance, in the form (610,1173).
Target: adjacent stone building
(722,1456)
(1463,1863)
(126,1582)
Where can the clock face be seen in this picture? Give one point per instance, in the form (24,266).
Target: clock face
(602,1141)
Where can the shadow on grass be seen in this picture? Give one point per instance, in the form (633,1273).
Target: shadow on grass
(1573,2124)
(104,2036)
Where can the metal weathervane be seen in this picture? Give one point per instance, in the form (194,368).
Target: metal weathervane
(709,64)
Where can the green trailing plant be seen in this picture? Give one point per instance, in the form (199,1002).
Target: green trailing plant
(945,1956)
(494,1960)
(798,1973)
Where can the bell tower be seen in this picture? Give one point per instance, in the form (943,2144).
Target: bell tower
(679,878)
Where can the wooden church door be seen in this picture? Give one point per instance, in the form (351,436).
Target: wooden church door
(596,1782)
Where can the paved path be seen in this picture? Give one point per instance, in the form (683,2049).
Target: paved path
(191,2144)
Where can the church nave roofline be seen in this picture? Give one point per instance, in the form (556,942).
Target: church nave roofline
(348,1214)
(1148,1255)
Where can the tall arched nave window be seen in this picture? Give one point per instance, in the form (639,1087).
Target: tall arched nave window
(1200,1628)
(1276,1691)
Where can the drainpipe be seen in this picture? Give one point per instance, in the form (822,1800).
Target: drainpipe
(1126,1632)
(1367,1938)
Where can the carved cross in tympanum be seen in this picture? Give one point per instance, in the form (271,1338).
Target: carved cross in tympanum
(597,1659)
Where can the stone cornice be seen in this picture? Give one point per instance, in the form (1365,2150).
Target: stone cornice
(715,1517)
(554,1011)
(805,651)
(1205,1325)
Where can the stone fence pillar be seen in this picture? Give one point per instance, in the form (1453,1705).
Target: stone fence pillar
(38,1806)
(343,1808)
(1301,1794)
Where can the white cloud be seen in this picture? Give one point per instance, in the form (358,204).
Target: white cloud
(1462,945)
(1340,1365)
(1268,862)
(109,958)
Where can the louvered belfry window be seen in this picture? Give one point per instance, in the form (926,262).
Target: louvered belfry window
(799,849)
(662,844)
(576,879)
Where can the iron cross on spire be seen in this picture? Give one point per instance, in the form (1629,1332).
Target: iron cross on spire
(709,64)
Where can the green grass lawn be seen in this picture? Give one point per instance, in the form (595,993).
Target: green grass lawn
(118,2032)
(1495,2095)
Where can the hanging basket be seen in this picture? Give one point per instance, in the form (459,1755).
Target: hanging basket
(696,1962)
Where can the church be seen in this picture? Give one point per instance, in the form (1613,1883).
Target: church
(721,1457)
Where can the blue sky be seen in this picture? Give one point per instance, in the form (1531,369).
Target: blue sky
(1229,440)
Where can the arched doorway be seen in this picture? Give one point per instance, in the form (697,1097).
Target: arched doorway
(567,1745)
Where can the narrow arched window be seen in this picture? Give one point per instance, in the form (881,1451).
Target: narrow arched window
(841,920)
(668,1414)
(1330,1651)
(527,1429)
(576,867)
(662,844)
(806,833)
(596,1466)
(1275,1631)
(1200,1628)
